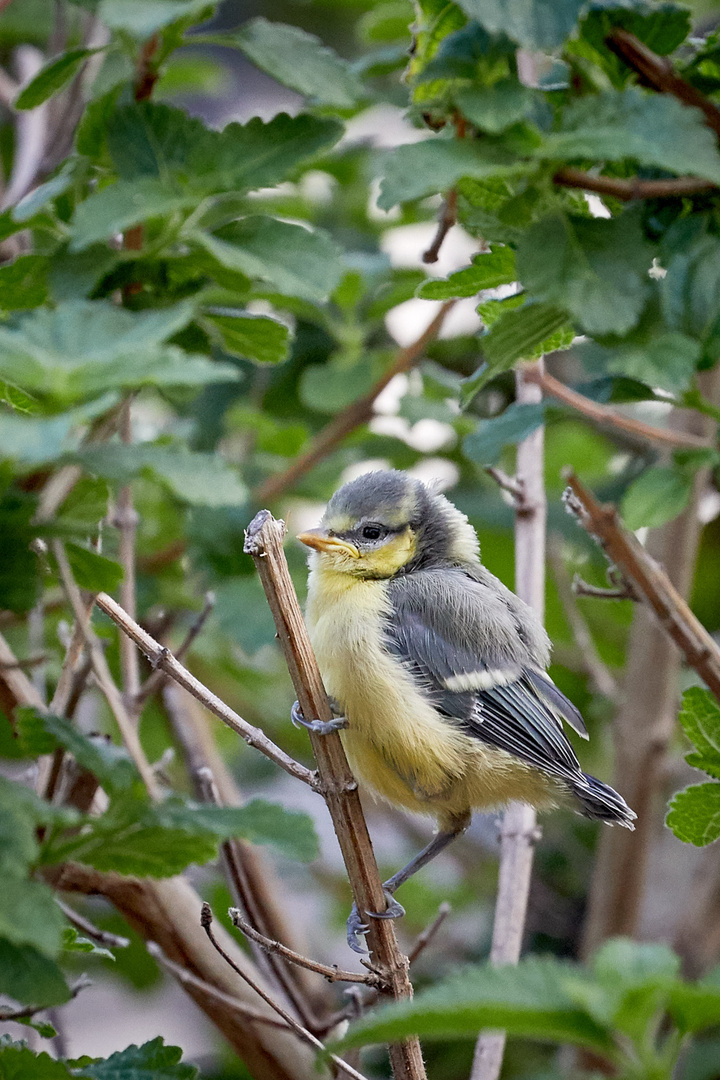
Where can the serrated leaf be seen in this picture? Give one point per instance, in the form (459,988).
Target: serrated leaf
(495,108)
(52,77)
(657,496)
(700,718)
(534,24)
(200,479)
(147,140)
(695,814)
(91,571)
(141,18)
(594,268)
(260,822)
(488,270)
(249,337)
(530,1000)
(652,129)
(299,60)
(520,333)
(485,444)
(424,168)
(30,978)
(33,440)
(667,360)
(18,1062)
(709,765)
(151,1061)
(289,257)
(108,763)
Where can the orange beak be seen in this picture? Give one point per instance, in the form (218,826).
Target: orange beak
(321,541)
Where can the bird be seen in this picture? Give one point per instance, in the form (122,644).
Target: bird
(436,670)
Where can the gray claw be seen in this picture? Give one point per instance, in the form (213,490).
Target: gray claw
(356,930)
(394,910)
(320,727)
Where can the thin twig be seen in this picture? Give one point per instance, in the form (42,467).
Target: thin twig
(102,937)
(102,673)
(625,551)
(603,414)
(263,540)
(28,662)
(423,940)
(505,482)
(624,591)
(356,414)
(6,1015)
(157,678)
(600,677)
(303,1033)
(657,72)
(16,680)
(161,657)
(332,974)
(447,219)
(634,188)
(188,979)
(519,832)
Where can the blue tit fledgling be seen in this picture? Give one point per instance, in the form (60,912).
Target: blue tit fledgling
(438,669)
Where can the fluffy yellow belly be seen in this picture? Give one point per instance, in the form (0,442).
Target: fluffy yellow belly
(396,742)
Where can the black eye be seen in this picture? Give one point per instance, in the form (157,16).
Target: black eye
(372,532)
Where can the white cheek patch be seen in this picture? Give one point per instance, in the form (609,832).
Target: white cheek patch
(481,680)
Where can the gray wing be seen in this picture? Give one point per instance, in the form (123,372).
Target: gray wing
(461,641)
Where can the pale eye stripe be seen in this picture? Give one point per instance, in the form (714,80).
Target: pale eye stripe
(481,680)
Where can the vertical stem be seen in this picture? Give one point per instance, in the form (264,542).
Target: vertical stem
(126,520)
(519,829)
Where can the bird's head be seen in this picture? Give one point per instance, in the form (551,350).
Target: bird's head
(386,523)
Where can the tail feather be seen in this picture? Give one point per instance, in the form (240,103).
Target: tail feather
(602,803)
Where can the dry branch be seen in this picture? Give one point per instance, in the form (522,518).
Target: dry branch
(264,542)
(603,414)
(447,219)
(519,832)
(359,412)
(649,580)
(161,657)
(634,188)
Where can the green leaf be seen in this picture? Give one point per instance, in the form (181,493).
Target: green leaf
(123,204)
(141,18)
(524,332)
(436,164)
(661,26)
(92,571)
(291,258)
(657,496)
(667,360)
(594,268)
(299,60)
(199,479)
(260,822)
(495,108)
(249,337)
(530,1000)
(689,292)
(653,129)
(23,283)
(73,942)
(695,814)
(695,1007)
(485,444)
(30,978)
(700,717)
(81,349)
(18,1062)
(147,140)
(52,77)
(35,440)
(30,916)
(488,270)
(534,24)
(330,387)
(45,193)
(108,763)
(151,1061)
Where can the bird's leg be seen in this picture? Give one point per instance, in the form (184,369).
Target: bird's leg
(320,727)
(394,910)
